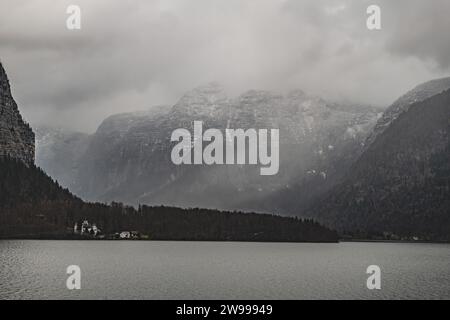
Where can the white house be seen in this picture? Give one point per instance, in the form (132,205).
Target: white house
(125,235)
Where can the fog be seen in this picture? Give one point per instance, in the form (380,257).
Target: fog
(131,55)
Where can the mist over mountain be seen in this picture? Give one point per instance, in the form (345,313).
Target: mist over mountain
(400,185)
(58,152)
(33,205)
(353,169)
(128,158)
(402,104)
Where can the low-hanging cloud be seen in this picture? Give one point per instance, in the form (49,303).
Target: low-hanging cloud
(132,54)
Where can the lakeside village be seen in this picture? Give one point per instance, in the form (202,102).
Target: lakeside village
(88,231)
(91,231)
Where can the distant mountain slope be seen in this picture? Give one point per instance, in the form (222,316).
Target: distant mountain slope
(401,184)
(402,104)
(16,136)
(58,153)
(130,162)
(33,205)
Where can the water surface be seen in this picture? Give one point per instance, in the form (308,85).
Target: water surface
(222,270)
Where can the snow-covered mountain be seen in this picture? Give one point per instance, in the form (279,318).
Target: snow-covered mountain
(128,158)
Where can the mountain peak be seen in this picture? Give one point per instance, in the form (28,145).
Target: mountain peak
(210,89)
(203,100)
(296,94)
(257,96)
(4,82)
(422,92)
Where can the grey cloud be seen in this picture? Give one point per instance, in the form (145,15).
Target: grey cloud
(132,54)
(420,29)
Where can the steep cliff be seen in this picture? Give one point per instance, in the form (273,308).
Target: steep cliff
(16,136)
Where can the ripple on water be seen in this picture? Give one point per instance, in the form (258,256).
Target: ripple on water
(218,270)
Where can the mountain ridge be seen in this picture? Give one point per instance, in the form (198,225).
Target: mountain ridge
(419,93)
(136,152)
(399,186)
(34,206)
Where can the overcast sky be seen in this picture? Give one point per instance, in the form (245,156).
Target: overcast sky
(133,54)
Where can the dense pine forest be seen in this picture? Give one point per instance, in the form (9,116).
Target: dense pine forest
(32,205)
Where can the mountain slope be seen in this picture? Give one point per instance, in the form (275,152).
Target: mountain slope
(131,163)
(402,104)
(58,153)
(400,186)
(33,205)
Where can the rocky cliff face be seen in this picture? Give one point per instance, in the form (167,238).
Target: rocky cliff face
(128,158)
(16,136)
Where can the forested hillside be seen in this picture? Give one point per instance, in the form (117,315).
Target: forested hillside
(33,205)
(400,187)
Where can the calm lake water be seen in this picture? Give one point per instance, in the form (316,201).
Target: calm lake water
(222,270)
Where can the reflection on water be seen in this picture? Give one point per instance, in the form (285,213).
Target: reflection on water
(222,270)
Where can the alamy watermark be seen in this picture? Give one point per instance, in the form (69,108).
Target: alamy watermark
(374,19)
(73,21)
(374,280)
(73,282)
(241,147)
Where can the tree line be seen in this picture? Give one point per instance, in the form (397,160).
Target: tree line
(33,205)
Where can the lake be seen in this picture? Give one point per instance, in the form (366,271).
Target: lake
(222,270)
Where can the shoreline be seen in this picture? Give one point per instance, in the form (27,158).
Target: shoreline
(395,241)
(158,240)
(47,238)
